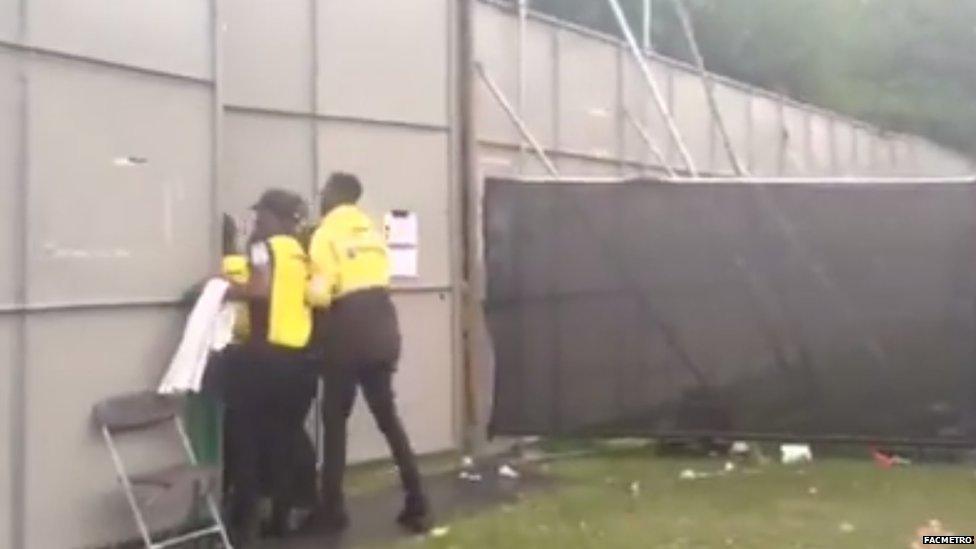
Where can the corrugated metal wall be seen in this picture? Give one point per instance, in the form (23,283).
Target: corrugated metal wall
(124,146)
(126,128)
(580,85)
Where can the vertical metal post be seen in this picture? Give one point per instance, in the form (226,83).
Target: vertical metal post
(750,133)
(832,137)
(619,115)
(313,10)
(784,137)
(18,383)
(638,55)
(557,94)
(217,140)
(467,203)
(523,14)
(708,84)
(648,25)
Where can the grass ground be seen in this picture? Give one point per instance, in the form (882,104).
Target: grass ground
(633,499)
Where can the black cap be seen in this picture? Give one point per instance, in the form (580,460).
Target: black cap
(282,203)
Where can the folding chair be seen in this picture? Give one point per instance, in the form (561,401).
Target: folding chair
(139,412)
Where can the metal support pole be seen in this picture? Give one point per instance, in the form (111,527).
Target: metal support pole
(467,204)
(708,83)
(651,144)
(523,15)
(635,50)
(514,117)
(648,25)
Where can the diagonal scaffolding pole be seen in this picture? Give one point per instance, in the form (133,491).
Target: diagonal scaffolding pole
(651,143)
(708,83)
(503,102)
(638,55)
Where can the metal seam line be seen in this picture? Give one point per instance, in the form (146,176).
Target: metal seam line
(421,126)
(18,379)
(580,155)
(217,137)
(164,302)
(523,9)
(64,56)
(770,180)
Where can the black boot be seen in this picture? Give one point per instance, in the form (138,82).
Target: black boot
(416,516)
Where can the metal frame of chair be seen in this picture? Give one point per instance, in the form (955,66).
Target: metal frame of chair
(139,412)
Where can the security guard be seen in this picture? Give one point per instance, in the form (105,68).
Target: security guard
(357,328)
(269,393)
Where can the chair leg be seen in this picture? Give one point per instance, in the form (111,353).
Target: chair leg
(130,495)
(212,507)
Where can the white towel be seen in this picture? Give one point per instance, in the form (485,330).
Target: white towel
(209,327)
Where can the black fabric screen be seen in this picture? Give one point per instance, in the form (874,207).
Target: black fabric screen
(748,310)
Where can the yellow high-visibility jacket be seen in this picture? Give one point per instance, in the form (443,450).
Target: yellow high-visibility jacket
(348,254)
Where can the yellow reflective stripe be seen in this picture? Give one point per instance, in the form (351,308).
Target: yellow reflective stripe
(289,316)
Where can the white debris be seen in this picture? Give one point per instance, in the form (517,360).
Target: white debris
(846,527)
(739,447)
(507,471)
(440,532)
(635,488)
(688,474)
(467,462)
(795,453)
(469,476)
(813,491)
(729,467)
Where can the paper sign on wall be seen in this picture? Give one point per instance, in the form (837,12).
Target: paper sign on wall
(402,236)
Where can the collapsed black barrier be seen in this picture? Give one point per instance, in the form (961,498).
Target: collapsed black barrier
(788,311)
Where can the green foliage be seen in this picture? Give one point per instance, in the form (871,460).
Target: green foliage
(904,65)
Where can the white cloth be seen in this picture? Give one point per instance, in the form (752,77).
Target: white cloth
(209,327)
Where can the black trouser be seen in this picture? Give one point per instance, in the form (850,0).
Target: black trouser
(360,339)
(376,382)
(269,396)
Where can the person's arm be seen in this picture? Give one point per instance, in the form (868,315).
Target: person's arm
(324,269)
(258,284)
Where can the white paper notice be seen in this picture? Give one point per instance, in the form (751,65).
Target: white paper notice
(401,228)
(402,236)
(403,262)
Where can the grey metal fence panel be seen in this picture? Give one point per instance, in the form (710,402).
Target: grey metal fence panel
(10,92)
(819,145)
(767,136)
(734,106)
(263,151)
(7,328)
(540,82)
(165,35)
(795,157)
(424,384)
(400,168)
(639,103)
(76,359)
(864,145)
(120,178)
(588,95)
(268,54)
(693,118)
(384,60)
(496,44)
(586,167)
(844,148)
(9,17)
